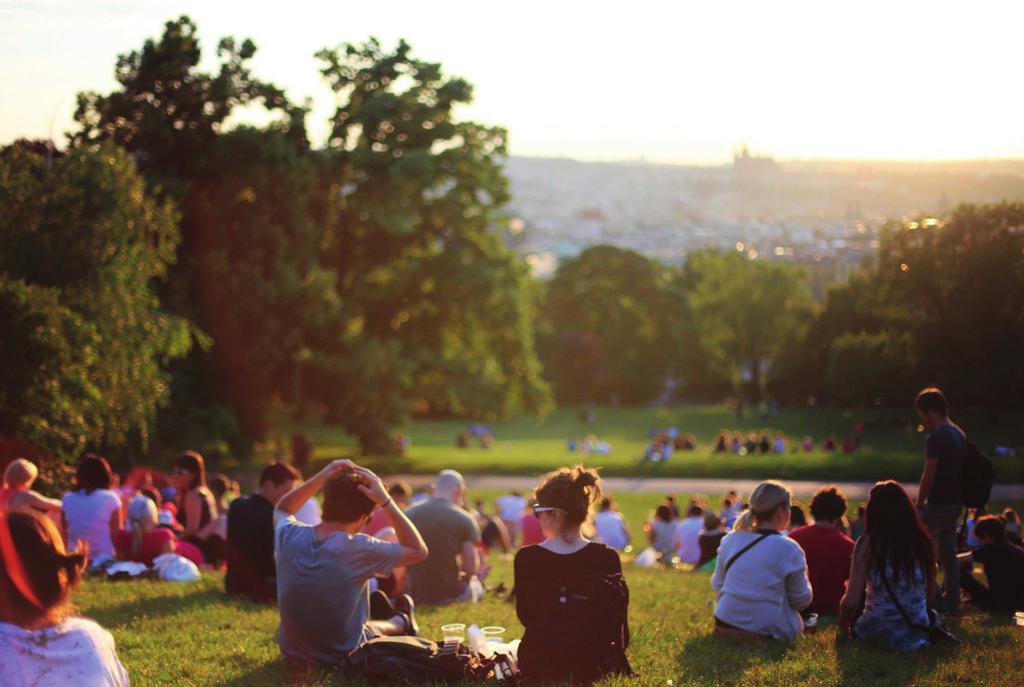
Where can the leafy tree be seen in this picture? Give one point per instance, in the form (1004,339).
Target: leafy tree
(82,247)
(610,323)
(433,303)
(868,368)
(745,311)
(962,282)
(252,209)
(941,296)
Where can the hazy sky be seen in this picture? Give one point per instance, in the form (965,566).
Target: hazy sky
(673,81)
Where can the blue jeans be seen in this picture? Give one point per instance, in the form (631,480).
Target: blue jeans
(941,521)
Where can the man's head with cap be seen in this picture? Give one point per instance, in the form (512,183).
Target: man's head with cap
(449,486)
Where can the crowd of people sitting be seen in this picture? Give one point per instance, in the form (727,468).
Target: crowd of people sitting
(664,444)
(346,558)
(764,443)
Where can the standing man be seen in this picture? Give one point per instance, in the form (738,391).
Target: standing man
(939,495)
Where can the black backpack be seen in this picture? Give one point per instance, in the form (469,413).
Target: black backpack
(416,660)
(588,618)
(978,476)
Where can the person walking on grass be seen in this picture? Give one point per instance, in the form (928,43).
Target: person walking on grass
(761,574)
(323,571)
(939,496)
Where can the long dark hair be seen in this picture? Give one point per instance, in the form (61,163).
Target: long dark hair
(895,532)
(93,473)
(194,463)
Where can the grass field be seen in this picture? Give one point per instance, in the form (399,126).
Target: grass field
(191,634)
(530,446)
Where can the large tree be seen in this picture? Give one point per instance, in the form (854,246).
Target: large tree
(434,304)
(746,313)
(252,214)
(611,326)
(82,248)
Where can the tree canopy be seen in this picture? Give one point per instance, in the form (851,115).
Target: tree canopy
(87,340)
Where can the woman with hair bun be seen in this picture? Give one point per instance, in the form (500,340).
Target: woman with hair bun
(761,574)
(570,594)
(41,643)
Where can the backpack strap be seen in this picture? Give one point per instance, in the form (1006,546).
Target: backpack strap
(748,547)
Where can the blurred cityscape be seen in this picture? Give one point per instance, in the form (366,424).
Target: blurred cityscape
(825,215)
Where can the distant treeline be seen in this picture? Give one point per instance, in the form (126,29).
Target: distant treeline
(169,281)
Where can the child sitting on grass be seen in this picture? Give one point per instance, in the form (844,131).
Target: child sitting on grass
(17,492)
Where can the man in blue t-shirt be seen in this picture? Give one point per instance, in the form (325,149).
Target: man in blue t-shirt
(323,571)
(939,495)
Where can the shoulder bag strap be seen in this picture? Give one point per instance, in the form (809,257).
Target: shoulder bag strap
(748,547)
(896,602)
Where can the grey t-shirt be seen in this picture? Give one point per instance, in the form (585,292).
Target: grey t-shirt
(445,528)
(322,591)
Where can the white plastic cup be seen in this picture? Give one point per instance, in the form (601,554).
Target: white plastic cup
(454,632)
(494,634)
(1019,618)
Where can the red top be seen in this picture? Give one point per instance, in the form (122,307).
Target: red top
(533,533)
(378,521)
(153,543)
(829,553)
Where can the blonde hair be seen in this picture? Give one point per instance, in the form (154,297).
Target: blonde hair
(141,512)
(20,471)
(767,497)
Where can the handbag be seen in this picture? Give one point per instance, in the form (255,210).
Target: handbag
(936,631)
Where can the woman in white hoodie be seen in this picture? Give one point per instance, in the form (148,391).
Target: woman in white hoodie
(761,574)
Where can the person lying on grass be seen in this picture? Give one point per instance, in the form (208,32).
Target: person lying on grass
(41,642)
(323,570)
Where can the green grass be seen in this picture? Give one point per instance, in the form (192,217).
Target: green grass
(530,446)
(191,634)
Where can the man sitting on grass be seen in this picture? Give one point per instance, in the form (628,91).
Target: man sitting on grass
(452,535)
(829,552)
(322,571)
(250,535)
(1004,569)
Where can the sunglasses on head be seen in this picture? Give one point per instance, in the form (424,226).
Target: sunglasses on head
(181,471)
(538,509)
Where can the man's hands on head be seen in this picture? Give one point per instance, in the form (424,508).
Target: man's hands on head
(336,467)
(366,480)
(372,486)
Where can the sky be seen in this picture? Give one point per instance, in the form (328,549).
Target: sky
(671,81)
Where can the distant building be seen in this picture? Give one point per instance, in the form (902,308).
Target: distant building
(747,168)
